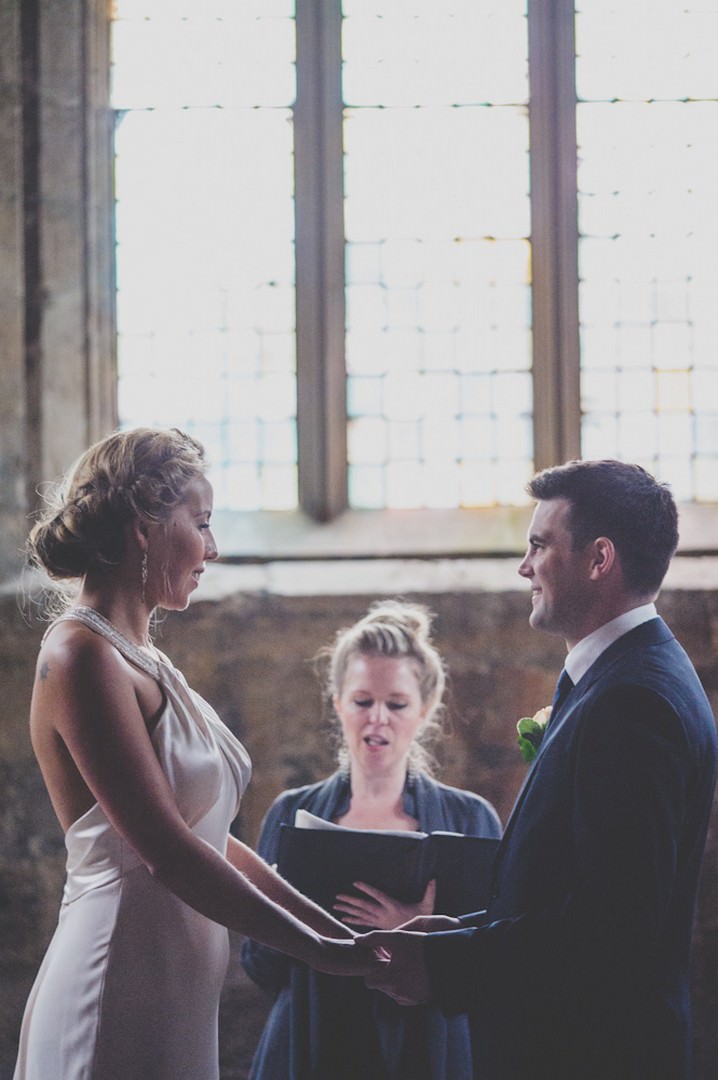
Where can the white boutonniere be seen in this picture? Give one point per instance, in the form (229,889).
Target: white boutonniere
(531,730)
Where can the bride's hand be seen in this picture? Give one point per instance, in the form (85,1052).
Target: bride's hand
(355,957)
(377,910)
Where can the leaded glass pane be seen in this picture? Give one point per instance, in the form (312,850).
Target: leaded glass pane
(437,257)
(648,252)
(205,234)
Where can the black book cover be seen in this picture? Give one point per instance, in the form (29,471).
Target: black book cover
(324,861)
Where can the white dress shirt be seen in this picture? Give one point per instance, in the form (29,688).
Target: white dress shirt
(588,649)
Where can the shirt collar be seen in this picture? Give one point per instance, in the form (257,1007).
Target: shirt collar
(588,650)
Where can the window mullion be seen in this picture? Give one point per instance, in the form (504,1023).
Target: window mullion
(321,381)
(554,234)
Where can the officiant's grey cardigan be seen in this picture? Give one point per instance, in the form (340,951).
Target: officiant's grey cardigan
(322,1026)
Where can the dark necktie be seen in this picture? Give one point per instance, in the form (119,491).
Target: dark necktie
(563,687)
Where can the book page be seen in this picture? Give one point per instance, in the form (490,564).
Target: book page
(303,819)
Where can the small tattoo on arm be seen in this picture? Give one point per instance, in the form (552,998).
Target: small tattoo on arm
(44,670)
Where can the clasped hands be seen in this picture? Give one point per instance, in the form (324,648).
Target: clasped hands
(397,941)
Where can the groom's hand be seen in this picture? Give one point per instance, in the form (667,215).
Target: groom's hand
(431,924)
(404,978)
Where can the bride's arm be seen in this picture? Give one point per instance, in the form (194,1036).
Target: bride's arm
(83,692)
(272,885)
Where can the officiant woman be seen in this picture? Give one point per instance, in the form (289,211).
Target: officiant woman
(385,680)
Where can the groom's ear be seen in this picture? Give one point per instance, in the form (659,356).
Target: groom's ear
(603,557)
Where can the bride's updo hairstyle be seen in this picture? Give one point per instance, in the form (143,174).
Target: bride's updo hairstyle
(399,630)
(139,473)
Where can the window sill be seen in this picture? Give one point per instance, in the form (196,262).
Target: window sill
(403,577)
(497,532)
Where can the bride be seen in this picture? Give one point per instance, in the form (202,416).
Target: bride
(145,781)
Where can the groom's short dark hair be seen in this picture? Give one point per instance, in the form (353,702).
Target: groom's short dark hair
(620,501)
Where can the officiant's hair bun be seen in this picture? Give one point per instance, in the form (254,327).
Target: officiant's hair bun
(141,473)
(392,628)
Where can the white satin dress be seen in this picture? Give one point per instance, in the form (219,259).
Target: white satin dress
(129,987)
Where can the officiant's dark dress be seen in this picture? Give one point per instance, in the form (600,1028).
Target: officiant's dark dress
(322,1027)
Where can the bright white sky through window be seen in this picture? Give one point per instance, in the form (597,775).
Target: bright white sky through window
(205,231)
(647,83)
(438,260)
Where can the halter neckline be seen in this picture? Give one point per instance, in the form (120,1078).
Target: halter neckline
(140,655)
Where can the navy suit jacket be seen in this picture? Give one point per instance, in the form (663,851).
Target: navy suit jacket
(579,968)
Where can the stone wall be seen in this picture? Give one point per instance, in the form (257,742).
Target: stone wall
(248,654)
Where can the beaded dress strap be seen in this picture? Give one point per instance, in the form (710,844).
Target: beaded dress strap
(106,629)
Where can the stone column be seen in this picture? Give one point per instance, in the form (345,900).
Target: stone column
(57,369)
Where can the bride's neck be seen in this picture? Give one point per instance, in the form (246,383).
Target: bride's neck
(125,613)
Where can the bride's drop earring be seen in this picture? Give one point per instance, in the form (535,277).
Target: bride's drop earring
(143,575)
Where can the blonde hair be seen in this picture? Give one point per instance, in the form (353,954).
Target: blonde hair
(139,473)
(399,630)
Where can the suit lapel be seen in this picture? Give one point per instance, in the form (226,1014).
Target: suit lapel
(653,632)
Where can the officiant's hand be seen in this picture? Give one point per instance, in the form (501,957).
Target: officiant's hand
(382,912)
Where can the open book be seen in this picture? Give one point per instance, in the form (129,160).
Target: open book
(322,859)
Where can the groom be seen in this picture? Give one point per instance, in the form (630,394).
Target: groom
(578,970)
